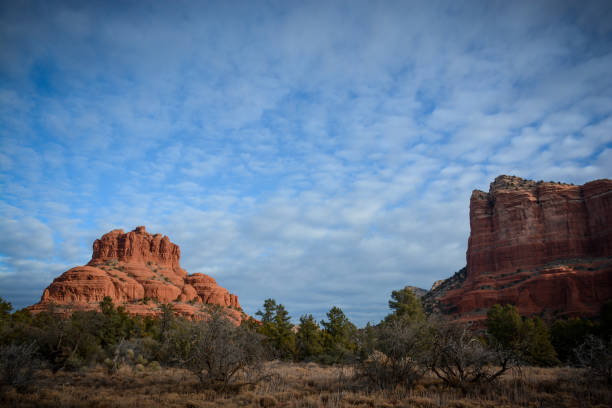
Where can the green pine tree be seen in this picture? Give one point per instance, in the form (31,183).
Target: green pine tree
(529,339)
(285,338)
(338,335)
(5,310)
(269,310)
(308,339)
(277,328)
(566,335)
(539,350)
(406,306)
(504,324)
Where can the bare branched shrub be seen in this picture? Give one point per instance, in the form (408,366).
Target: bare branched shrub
(460,359)
(122,354)
(17,364)
(399,355)
(216,350)
(596,356)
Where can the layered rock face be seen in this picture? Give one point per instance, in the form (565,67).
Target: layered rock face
(139,271)
(544,247)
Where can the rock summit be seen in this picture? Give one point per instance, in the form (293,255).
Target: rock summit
(139,271)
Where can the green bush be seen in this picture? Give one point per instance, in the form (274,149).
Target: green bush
(566,335)
(528,339)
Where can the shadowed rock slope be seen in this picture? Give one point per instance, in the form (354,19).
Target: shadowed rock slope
(139,271)
(544,247)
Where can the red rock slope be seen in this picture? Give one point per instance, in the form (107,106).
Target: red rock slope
(140,271)
(544,247)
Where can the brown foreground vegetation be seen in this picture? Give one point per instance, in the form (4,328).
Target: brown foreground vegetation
(301,385)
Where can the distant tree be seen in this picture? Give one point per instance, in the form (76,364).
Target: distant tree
(366,341)
(538,349)
(338,336)
(405,305)
(16,328)
(107,307)
(166,320)
(277,328)
(269,311)
(5,310)
(5,322)
(117,323)
(283,330)
(566,335)
(504,323)
(58,340)
(250,324)
(308,339)
(528,339)
(22,316)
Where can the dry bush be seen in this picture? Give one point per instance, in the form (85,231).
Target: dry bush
(596,356)
(303,385)
(217,351)
(399,356)
(17,364)
(461,360)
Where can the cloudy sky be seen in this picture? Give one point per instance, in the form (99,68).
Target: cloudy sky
(318,153)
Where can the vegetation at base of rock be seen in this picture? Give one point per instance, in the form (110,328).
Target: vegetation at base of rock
(402,352)
(527,339)
(566,335)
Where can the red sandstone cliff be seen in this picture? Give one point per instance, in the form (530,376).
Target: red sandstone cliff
(544,247)
(139,271)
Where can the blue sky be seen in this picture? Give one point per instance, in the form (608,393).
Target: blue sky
(319,153)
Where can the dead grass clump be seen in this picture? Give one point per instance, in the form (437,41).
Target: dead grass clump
(267,402)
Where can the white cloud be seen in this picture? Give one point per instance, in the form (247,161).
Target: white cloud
(316,153)
(26,238)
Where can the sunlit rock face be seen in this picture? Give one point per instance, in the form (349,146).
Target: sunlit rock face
(139,271)
(545,247)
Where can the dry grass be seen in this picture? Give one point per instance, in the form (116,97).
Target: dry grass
(302,385)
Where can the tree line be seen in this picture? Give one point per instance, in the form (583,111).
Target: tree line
(400,349)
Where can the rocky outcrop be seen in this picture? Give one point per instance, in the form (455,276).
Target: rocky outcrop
(139,271)
(418,292)
(542,246)
(439,289)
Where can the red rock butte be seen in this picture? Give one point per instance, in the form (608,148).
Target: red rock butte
(544,247)
(139,271)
